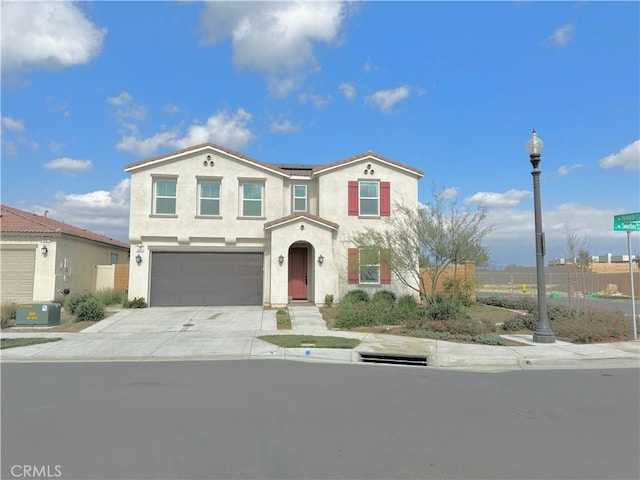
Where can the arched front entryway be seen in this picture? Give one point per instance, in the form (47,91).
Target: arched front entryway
(300,271)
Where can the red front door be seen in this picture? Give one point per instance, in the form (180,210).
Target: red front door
(298,273)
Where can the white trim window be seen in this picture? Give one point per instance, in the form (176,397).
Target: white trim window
(252,204)
(299,198)
(209,201)
(164,191)
(369,198)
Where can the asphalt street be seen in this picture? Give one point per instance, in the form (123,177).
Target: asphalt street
(274,419)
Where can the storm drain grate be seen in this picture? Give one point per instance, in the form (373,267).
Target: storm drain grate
(393,359)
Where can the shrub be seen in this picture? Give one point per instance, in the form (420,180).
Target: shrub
(111,296)
(73,301)
(281,311)
(460,289)
(355,296)
(384,296)
(8,314)
(328,300)
(520,322)
(440,308)
(91,310)
(137,302)
(367,314)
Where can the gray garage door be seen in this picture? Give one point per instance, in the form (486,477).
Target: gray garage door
(16,272)
(198,278)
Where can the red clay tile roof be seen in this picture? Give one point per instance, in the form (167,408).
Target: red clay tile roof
(13,220)
(297,215)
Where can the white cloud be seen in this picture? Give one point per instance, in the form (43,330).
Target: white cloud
(127,108)
(283,126)
(386,99)
(449,193)
(627,158)
(370,67)
(510,198)
(223,128)
(12,124)
(68,165)
(566,169)
(318,101)
(171,109)
(49,34)
(275,38)
(561,36)
(102,211)
(513,240)
(348,89)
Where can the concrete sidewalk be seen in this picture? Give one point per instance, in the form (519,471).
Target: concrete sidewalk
(231,333)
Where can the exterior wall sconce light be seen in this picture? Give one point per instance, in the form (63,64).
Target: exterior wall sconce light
(320,259)
(280,259)
(138,259)
(44,250)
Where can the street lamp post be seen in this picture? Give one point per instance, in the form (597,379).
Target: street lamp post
(542,333)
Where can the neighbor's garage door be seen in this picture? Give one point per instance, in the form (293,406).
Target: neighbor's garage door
(197,278)
(17,269)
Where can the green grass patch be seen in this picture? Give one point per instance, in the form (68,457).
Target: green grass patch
(294,341)
(283,319)
(23,342)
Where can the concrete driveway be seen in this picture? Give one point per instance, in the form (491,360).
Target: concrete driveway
(160,333)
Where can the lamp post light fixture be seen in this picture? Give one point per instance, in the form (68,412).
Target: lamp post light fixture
(542,333)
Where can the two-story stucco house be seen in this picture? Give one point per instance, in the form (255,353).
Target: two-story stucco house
(210,226)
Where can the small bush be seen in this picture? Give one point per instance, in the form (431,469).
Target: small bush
(73,301)
(355,296)
(520,322)
(8,314)
(111,296)
(137,302)
(440,308)
(328,300)
(384,296)
(91,310)
(281,311)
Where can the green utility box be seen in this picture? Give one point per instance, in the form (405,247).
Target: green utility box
(38,315)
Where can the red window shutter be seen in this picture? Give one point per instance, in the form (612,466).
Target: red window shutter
(353,265)
(353,198)
(385,199)
(385,266)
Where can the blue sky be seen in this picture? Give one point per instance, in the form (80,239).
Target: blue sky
(452,88)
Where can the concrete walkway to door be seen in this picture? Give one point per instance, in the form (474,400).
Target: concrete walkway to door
(306,317)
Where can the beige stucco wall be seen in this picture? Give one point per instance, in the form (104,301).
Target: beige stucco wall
(319,241)
(327,198)
(69,262)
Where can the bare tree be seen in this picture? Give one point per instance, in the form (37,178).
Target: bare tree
(578,259)
(432,237)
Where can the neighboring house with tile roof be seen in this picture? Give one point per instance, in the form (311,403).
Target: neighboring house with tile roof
(41,257)
(211,226)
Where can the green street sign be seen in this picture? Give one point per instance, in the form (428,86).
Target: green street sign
(628,222)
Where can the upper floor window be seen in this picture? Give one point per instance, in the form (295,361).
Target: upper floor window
(299,198)
(209,198)
(369,198)
(165,196)
(252,193)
